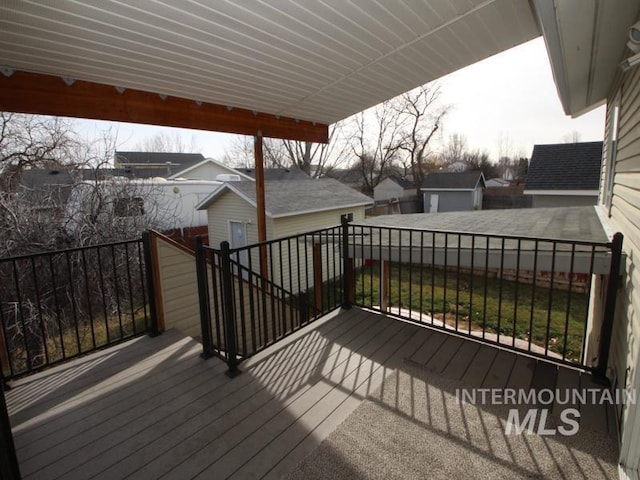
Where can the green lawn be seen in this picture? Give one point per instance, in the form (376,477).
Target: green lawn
(499,306)
(74,339)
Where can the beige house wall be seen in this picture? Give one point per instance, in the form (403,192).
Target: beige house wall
(178,289)
(207,171)
(624,216)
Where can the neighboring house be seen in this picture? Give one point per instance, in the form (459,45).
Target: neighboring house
(189,166)
(169,201)
(564,174)
(46,190)
(458,166)
(274,173)
(292,207)
(349,177)
(498,182)
(453,191)
(154,164)
(168,204)
(393,187)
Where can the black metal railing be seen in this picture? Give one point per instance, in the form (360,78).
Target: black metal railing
(526,294)
(57,305)
(254,296)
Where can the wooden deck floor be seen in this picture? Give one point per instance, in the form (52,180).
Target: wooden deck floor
(152,408)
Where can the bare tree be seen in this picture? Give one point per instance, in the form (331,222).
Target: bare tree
(572,137)
(314,159)
(165,142)
(421,117)
(455,149)
(376,143)
(32,141)
(240,152)
(478,160)
(88,207)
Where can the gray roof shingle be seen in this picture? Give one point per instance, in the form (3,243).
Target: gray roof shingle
(565,166)
(159,164)
(403,182)
(456,180)
(276,173)
(296,196)
(42,178)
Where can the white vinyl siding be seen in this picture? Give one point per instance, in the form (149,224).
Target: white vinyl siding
(301,257)
(307,222)
(625,217)
(388,189)
(208,171)
(179,288)
(231,207)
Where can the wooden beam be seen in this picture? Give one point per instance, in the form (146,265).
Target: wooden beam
(49,95)
(261,203)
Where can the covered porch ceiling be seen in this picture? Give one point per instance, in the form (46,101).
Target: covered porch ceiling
(586,41)
(280,68)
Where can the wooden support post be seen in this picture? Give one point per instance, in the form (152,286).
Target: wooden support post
(261,204)
(384,285)
(154,283)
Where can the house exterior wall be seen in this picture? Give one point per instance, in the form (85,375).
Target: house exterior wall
(308,222)
(179,305)
(544,201)
(450,201)
(301,258)
(231,207)
(208,171)
(388,189)
(624,216)
(168,204)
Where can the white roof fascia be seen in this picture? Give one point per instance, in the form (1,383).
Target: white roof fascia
(249,200)
(562,192)
(215,162)
(448,189)
(315,210)
(218,191)
(548,24)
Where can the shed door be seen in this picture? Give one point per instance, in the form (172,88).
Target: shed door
(239,240)
(433,203)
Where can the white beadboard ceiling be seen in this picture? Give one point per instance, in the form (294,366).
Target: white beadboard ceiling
(308,59)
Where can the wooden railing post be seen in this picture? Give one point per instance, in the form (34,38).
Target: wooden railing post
(609,306)
(347,264)
(228,311)
(203,297)
(384,284)
(149,263)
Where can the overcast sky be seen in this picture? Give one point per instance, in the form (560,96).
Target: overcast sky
(509,99)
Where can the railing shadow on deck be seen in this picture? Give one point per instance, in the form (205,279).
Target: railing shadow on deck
(269,418)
